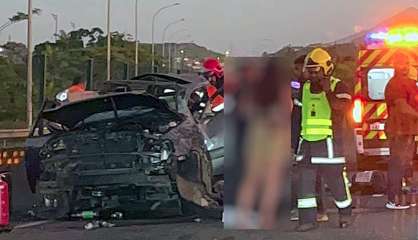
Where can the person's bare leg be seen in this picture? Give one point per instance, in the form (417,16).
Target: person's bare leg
(270,197)
(246,198)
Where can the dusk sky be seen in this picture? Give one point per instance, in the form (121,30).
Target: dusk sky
(245,27)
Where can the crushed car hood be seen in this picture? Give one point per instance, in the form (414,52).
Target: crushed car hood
(71,114)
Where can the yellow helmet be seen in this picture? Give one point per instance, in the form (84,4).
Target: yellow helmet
(319,58)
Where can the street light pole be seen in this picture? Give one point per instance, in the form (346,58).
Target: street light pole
(165,31)
(136,38)
(169,47)
(29,69)
(55,17)
(182,51)
(108,40)
(153,26)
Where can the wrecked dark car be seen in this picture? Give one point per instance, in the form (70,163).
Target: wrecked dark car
(185,94)
(127,153)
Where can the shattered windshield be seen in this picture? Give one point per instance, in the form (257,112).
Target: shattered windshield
(103,116)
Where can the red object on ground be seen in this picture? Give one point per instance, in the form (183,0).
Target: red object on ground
(4,204)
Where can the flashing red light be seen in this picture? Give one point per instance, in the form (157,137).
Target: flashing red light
(358,111)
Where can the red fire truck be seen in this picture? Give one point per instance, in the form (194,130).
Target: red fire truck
(374,70)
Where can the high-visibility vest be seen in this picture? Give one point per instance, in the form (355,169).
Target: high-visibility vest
(218,100)
(316,115)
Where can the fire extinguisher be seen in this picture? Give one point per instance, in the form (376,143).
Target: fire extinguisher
(4,202)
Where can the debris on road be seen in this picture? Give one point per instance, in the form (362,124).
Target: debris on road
(32,224)
(98,224)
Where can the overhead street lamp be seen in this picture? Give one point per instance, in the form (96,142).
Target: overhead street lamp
(153,25)
(165,31)
(18,18)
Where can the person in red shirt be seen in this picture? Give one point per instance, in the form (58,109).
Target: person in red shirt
(74,92)
(401,127)
(77,86)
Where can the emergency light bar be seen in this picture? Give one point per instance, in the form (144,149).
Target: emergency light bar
(396,37)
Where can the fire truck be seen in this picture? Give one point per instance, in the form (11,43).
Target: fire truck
(374,70)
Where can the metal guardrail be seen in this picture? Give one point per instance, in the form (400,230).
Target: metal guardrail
(14,133)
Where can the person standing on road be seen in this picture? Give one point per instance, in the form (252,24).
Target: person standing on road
(296,127)
(266,147)
(318,153)
(401,97)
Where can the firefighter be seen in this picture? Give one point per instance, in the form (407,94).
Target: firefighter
(295,133)
(318,153)
(213,72)
(401,127)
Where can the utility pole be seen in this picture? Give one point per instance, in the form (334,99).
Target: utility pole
(55,17)
(108,40)
(136,38)
(29,68)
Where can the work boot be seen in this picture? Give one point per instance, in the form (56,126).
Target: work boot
(346,221)
(306,227)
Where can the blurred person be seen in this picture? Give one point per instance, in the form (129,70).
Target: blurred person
(401,127)
(266,148)
(300,78)
(238,76)
(320,151)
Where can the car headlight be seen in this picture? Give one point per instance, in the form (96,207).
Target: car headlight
(62,96)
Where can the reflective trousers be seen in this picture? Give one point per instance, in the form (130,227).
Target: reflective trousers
(332,172)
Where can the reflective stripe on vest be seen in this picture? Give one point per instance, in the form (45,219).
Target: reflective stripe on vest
(307,203)
(322,160)
(218,100)
(324,122)
(316,115)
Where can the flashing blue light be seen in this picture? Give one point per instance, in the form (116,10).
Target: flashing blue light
(295,84)
(379,36)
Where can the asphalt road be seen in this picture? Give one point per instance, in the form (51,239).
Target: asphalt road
(372,221)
